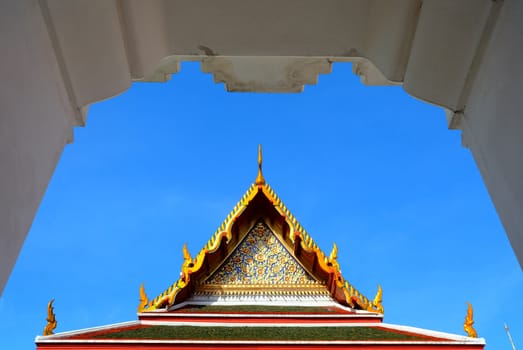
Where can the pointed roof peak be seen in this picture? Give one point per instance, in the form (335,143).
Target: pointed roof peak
(260,179)
(260,199)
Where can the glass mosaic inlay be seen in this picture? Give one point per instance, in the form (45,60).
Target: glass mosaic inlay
(260,259)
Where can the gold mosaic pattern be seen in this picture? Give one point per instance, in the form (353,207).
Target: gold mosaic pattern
(260,259)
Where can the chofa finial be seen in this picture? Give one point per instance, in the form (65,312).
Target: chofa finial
(143,299)
(51,319)
(186,255)
(259,179)
(469,321)
(378,300)
(334,253)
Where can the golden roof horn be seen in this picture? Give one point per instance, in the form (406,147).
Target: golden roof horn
(51,319)
(143,299)
(259,179)
(469,321)
(186,255)
(334,253)
(378,299)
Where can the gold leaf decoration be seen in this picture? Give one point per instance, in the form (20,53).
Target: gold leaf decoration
(51,319)
(143,299)
(469,321)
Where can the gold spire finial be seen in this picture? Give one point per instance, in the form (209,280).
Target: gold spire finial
(143,299)
(51,319)
(259,179)
(469,321)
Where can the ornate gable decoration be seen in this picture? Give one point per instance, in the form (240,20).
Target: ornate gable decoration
(260,260)
(225,261)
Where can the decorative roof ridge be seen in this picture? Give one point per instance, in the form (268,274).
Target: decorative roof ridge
(189,264)
(213,242)
(353,297)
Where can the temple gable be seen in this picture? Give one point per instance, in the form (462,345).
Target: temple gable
(260,259)
(260,254)
(259,282)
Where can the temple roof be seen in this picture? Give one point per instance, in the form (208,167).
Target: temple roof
(261,250)
(261,281)
(277,334)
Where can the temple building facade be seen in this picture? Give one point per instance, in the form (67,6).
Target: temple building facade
(260,282)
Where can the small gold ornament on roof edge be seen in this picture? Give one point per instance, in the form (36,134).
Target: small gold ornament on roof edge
(334,253)
(377,302)
(186,255)
(143,299)
(469,321)
(51,319)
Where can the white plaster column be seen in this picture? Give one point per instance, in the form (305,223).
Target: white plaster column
(492,120)
(35,123)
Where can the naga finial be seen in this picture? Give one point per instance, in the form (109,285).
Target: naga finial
(376,305)
(334,253)
(378,299)
(143,299)
(259,179)
(469,321)
(186,255)
(51,319)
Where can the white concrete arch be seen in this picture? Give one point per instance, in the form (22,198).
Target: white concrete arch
(60,56)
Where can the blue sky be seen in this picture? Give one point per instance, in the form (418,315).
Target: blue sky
(370,168)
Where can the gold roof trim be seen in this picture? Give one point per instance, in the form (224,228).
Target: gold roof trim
(260,286)
(268,289)
(352,295)
(192,265)
(329,263)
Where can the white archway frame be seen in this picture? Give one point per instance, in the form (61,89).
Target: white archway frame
(62,56)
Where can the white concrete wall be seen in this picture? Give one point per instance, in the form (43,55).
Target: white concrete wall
(59,56)
(35,123)
(493,120)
